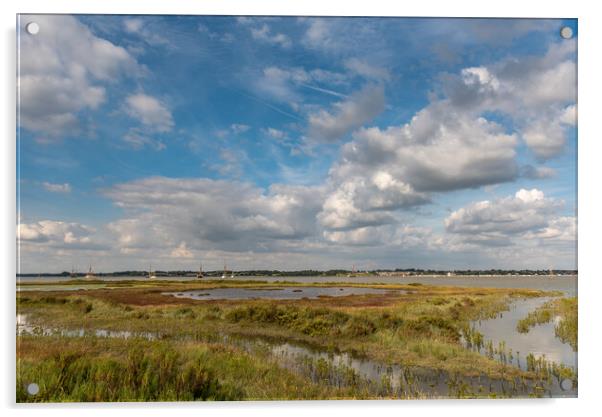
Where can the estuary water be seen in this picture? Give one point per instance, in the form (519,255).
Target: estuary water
(540,340)
(566,284)
(275,293)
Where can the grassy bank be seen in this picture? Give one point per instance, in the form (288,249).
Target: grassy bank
(102,369)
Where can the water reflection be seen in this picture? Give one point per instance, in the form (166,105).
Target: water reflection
(341,369)
(24,327)
(541,339)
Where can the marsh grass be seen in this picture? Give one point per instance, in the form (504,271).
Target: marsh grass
(566,328)
(425,328)
(97,369)
(160,373)
(546,370)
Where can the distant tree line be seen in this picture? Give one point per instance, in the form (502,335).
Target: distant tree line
(315,272)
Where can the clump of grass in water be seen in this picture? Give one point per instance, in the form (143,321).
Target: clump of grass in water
(545,369)
(473,338)
(565,329)
(542,369)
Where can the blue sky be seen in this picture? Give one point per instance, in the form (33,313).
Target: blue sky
(296,143)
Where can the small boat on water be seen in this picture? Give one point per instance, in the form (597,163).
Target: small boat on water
(90,274)
(225,274)
(200,274)
(151,274)
(353,272)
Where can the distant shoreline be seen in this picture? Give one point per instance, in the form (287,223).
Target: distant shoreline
(293,274)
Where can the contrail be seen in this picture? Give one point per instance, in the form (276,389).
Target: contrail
(324,90)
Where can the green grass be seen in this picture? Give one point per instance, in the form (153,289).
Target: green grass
(100,369)
(156,375)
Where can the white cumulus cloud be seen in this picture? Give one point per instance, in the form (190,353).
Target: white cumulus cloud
(150,111)
(528,211)
(64,70)
(538,92)
(264,33)
(163,212)
(359,108)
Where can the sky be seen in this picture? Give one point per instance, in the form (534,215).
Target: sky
(295,143)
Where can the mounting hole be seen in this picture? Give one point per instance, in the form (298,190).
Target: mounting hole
(32,28)
(33,388)
(566,32)
(566,384)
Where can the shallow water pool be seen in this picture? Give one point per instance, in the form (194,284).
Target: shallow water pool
(278,293)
